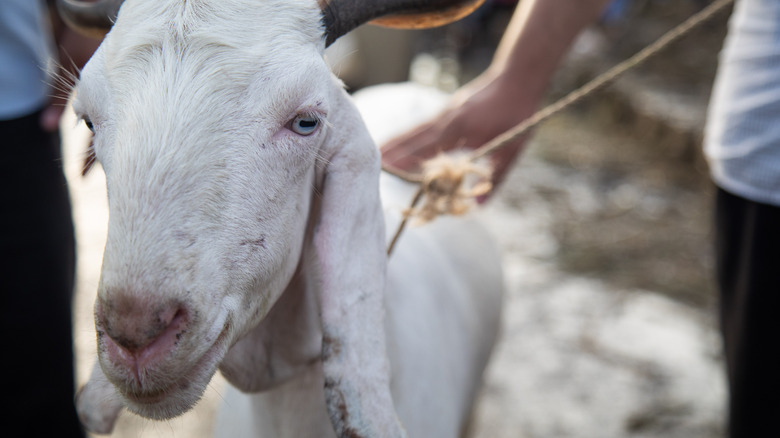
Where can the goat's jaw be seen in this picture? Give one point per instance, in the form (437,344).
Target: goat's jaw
(156,391)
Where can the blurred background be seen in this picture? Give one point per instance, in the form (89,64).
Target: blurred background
(609,325)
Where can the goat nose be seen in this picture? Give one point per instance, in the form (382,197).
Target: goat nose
(136,331)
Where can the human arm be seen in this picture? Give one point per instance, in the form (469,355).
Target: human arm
(509,91)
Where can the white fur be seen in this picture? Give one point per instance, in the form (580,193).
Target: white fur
(235,243)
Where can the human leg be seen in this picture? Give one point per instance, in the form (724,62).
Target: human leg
(36,281)
(748,268)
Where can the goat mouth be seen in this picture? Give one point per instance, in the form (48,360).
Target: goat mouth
(152,397)
(178,397)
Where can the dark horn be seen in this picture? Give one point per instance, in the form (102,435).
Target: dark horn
(93,19)
(341,16)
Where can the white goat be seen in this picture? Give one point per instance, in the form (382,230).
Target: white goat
(246,235)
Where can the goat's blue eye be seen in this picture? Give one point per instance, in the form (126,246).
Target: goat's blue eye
(304,124)
(89,124)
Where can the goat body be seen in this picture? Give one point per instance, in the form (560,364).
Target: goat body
(246,234)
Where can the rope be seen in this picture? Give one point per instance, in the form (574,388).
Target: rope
(564,103)
(417,196)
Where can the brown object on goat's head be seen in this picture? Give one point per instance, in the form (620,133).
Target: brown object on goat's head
(95,19)
(342,16)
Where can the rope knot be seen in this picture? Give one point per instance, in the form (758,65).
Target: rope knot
(450,182)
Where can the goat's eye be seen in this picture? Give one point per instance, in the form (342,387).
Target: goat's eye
(89,124)
(304,124)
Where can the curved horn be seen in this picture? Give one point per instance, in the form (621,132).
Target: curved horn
(341,16)
(93,19)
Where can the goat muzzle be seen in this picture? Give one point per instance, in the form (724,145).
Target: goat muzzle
(134,334)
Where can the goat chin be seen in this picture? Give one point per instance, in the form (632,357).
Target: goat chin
(180,396)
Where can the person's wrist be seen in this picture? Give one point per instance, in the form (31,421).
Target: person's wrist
(520,86)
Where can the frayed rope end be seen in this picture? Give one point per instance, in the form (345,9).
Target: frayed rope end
(444,178)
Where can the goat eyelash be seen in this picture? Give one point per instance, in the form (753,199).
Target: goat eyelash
(89,124)
(89,158)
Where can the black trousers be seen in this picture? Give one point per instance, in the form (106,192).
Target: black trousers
(37,266)
(748,267)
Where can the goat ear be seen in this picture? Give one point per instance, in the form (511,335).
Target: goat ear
(98,403)
(349,246)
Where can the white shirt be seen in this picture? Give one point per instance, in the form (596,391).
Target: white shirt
(25,57)
(742,139)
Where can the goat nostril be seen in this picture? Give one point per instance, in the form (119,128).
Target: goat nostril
(166,338)
(134,334)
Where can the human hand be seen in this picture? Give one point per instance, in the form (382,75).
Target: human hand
(476,113)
